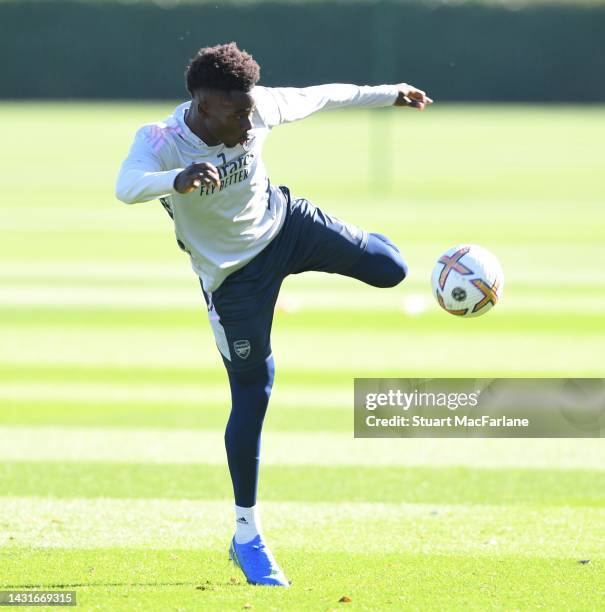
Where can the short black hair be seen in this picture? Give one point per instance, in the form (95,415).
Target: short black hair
(223,67)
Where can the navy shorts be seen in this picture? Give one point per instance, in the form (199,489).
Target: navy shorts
(241,309)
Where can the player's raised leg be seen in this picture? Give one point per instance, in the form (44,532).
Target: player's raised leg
(380,263)
(325,243)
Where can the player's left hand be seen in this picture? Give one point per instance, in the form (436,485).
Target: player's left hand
(412,97)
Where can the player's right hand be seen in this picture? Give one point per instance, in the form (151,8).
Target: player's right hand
(193,176)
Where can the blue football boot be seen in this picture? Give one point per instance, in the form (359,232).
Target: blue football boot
(257,563)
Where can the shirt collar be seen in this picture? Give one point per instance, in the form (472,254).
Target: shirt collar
(185,132)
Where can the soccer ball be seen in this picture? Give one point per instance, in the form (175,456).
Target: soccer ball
(467,280)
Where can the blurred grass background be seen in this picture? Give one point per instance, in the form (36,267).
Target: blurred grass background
(88,282)
(113,397)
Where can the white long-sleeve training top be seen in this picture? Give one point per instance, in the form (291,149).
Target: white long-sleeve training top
(223,229)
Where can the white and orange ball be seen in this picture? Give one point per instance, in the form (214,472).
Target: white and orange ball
(467,280)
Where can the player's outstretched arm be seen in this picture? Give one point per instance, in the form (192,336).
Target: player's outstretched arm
(412,97)
(278,105)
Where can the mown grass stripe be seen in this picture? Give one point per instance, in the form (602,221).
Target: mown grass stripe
(409,351)
(165,415)
(203,394)
(421,311)
(419,528)
(42,305)
(454,485)
(141,374)
(190,446)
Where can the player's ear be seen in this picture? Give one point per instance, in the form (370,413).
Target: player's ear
(202,103)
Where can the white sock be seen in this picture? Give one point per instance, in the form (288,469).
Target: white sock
(247,524)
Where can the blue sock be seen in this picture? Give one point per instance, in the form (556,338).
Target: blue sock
(250,392)
(380,265)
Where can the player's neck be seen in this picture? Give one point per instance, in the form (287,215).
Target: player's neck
(195,123)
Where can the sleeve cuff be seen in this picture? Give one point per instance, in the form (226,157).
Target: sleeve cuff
(170,178)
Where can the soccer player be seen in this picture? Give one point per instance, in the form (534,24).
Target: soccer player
(244,235)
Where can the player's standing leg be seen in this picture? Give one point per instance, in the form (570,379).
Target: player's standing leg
(250,392)
(241,314)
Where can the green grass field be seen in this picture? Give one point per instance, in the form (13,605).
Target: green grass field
(113,398)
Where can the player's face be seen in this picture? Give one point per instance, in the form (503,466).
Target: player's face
(227,116)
